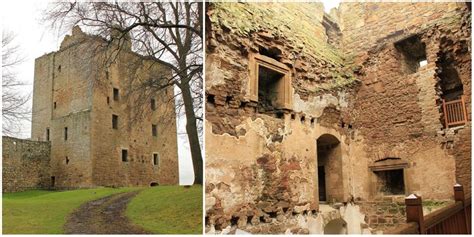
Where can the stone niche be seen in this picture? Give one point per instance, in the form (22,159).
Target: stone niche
(389,176)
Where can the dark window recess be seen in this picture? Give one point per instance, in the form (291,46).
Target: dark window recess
(268,88)
(47,134)
(65,134)
(390,182)
(108,100)
(154,130)
(153,104)
(155,159)
(272,52)
(67,160)
(211,99)
(413,52)
(53,181)
(116,94)
(124,155)
(54,105)
(59,68)
(114,121)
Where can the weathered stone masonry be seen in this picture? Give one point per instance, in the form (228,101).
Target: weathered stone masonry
(84,109)
(363,119)
(25,164)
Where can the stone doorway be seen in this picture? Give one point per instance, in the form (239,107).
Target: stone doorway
(329,155)
(322,184)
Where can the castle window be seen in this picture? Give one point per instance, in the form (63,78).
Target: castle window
(108,100)
(54,105)
(114,121)
(413,53)
(154,130)
(124,155)
(153,104)
(59,68)
(270,84)
(156,159)
(65,133)
(116,94)
(67,160)
(47,134)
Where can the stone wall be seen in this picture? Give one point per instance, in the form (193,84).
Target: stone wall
(25,164)
(74,89)
(366,97)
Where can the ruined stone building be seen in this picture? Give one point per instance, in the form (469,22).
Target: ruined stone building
(85,111)
(364,105)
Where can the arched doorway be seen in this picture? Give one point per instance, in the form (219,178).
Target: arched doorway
(153,184)
(329,169)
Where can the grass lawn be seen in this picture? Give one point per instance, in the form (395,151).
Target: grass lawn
(45,212)
(168,210)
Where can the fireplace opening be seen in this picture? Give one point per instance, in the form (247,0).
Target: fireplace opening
(390,182)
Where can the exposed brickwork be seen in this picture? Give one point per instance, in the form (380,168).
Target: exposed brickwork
(25,164)
(354,82)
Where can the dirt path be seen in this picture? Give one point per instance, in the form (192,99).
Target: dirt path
(103,216)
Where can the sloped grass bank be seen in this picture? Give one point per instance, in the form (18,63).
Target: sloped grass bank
(168,210)
(46,212)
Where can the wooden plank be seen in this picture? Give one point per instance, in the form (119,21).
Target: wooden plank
(445,114)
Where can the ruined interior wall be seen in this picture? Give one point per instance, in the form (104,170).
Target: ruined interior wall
(133,134)
(25,164)
(386,20)
(273,176)
(398,113)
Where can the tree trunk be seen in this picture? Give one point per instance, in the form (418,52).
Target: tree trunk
(191,130)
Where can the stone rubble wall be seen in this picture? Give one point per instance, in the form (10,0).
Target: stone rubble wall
(25,164)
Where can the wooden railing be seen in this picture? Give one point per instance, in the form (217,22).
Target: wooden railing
(454,112)
(452,219)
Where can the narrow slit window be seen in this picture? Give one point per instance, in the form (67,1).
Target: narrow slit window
(153,104)
(65,134)
(47,134)
(124,155)
(54,105)
(154,130)
(114,121)
(156,159)
(116,94)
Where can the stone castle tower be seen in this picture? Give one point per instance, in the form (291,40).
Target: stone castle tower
(84,109)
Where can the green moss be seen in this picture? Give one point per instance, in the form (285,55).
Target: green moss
(296,23)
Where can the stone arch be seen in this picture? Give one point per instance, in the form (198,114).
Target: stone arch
(329,158)
(153,184)
(336,226)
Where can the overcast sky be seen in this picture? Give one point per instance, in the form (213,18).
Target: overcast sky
(35,39)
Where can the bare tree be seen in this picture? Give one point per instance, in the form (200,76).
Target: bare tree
(167,33)
(14,103)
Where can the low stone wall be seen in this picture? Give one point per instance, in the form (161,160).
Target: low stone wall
(26,164)
(383,214)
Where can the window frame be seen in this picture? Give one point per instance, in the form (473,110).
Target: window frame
(284,100)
